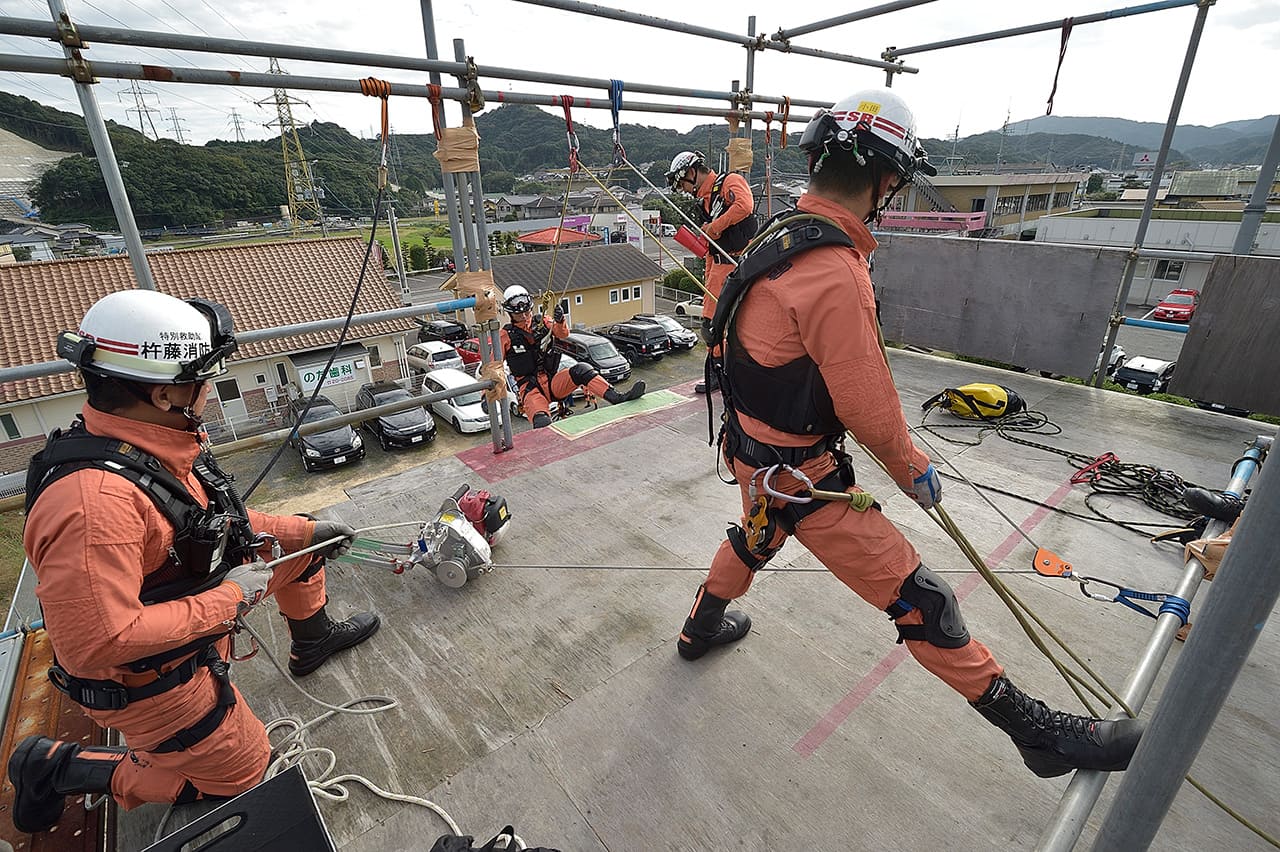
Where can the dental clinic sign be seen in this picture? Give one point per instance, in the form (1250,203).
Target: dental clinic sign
(339,373)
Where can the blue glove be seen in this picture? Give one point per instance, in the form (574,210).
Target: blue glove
(926,489)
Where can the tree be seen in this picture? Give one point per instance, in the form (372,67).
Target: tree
(418,258)
(21,253)
(1094,184)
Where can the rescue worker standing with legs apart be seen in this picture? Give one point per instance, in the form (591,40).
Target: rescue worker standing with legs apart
(531,358)
(145,555)
(726,206)
(803,358)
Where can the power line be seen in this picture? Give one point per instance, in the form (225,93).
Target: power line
(215,11)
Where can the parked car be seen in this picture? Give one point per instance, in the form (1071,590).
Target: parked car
(1178,306)
(638,341)
(464,413)
(1113,363)
(1145,375)
(691,308)
(681,337)
(402,429)
(433,355)
(598,352)
(323,449)
(469,352)
(442,329)
(666,230)
(1224,409)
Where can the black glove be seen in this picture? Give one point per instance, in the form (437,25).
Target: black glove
(558,314)
(326,530)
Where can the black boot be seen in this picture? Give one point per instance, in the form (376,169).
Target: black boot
(45,771)
(541,420)
(612,396)
(708,387)
(317,638)
(708,625)
(1054,743)
(1213,504)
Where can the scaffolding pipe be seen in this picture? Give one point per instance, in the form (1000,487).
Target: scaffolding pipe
(102,148)
(1166,142)
(751,78)
(784,35)
(755,43)
(1251,219)
(1039,28)
(1245,591)
(1063,830)
(209,44)
(256,80)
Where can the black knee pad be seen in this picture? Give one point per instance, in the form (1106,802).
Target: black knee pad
(738,539)
(582,373)
(943,625)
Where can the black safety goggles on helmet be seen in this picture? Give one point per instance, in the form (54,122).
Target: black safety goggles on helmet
(823,129)
(222,337)
(519,305)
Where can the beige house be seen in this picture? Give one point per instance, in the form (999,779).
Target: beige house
(596,285)
(1011,201)
(264,286)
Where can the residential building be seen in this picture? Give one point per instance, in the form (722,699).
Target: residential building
(595,285)
(264,286)
(1011,201)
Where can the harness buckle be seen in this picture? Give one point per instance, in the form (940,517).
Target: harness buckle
(96,695)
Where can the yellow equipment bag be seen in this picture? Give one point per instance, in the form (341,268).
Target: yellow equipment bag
(978,401)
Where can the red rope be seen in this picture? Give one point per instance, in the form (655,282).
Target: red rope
(1062,54)
(786,114)
(566,101)
(433,95)
(375,88)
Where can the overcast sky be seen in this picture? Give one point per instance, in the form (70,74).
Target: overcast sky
(1123,68)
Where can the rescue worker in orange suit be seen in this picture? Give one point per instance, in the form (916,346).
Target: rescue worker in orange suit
(139,605)
(726,206)
(535,364)
(803,358)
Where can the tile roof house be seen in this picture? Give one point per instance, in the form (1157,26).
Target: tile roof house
(267,285)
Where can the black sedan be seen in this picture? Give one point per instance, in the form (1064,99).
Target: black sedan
(326,449)
(402,429)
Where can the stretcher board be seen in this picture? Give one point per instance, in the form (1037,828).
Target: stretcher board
(577,425)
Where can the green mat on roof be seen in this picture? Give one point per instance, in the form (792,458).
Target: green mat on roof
(582,422)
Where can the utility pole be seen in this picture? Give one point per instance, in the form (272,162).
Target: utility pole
(175,124)
(300,189)
(405,296)
(237,123)
(140,107)
(1004,131)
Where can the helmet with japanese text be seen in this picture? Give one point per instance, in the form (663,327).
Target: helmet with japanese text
(871,124)
(148,336)
(681,163)
(516,300)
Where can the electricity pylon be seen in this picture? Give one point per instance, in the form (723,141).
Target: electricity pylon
(140,107)
(304,201)
(175,124)
(237,122)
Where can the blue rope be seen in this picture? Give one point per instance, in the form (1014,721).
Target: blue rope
(1180,607)
(615,106)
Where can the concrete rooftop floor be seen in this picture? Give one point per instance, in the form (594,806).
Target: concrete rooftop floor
(554,699)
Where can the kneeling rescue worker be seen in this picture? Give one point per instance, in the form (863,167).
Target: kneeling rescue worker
(803,358)
(145,555)
(535,363)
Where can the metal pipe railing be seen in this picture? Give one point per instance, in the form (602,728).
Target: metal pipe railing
(1063,830)
(755,43)
(784,34)
(259,80)
(304,53)
(1039,28)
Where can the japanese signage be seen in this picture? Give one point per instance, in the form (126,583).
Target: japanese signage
(339,373)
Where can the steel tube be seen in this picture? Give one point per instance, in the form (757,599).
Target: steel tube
(1251,219)
(705,32)
(1180,328)
(783,35)
(1245,591)
(751,77)
(1063,830)
(208,44)
(1039,28)
(107,162)
(1126,278)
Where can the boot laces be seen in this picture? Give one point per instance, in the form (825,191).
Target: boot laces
(1054,722)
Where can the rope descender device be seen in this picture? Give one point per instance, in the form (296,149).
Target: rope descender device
(375,88)
(1048,564)
(475,97)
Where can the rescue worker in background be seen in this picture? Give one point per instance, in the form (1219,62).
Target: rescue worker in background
(535,363)
(726,207)
(803,358)
(139,605)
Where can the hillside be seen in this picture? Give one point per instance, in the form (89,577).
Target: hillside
(172,185)
(1231,140)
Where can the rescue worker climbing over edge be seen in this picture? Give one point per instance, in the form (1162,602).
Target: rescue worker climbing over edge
(803,360)
(726,208)
(526,345)
(144,555)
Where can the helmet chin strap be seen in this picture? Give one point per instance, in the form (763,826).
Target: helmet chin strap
(194,421)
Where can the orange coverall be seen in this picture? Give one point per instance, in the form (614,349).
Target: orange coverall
(92,538)
(536,398)
(737,192)
(824,306)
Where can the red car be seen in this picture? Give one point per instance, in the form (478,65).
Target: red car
(1178,306)
(469,351)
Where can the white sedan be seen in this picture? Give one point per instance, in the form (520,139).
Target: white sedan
(433,355)
(690,308)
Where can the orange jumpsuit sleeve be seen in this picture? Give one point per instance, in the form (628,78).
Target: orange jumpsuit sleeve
(737,192)
(293,533)
(89,538)
(842,338)
(506,341)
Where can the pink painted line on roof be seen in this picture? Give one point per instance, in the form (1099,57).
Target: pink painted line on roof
(843,709)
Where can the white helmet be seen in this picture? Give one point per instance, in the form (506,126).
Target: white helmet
(516,299)
(148,336)
(681,163)
(869,123)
